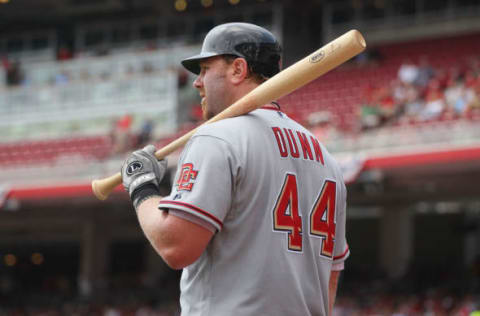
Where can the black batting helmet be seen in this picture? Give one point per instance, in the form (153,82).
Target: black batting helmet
(258,46)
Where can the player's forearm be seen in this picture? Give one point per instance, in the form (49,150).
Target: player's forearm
(150,219)
(332,289)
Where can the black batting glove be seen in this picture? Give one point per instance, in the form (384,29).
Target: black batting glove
(142,173)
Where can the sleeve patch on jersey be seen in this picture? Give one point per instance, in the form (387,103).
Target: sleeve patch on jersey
(187,177)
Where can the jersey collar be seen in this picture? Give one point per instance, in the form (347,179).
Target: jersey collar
(271,106)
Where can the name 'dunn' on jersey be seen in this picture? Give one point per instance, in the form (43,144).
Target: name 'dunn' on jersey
(296,144)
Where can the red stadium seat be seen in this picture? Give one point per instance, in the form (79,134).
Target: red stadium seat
(48,151)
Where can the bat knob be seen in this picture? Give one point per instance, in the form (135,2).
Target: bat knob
(97,190)
(103,187)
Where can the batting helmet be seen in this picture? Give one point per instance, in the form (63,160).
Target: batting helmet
(258,46)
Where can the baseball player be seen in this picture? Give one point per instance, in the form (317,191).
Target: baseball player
(256,215)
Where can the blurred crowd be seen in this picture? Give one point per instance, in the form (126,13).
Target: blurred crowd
(163,301)
(364,290)
(126,296)
(80,307)
(85,308)
(425,290)
(431,303)
(423,93)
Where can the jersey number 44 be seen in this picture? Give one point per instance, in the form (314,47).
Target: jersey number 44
(321,224)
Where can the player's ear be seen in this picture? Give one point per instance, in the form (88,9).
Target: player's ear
(238,70)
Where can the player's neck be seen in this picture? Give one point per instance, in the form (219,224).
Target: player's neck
(243,89)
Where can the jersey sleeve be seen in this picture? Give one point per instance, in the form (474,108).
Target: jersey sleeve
(204,180)
(192,218)
(341,251)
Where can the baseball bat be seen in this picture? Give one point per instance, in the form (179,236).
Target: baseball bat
(295,76)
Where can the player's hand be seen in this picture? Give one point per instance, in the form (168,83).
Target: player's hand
(142,173)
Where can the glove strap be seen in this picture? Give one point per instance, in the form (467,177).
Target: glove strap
(144,193)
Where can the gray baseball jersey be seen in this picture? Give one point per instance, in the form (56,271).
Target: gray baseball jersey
(277,199)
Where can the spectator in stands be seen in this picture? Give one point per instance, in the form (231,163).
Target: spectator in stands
(434,102)
(471,78)
(408,99)
(369,116)
(475,105)
(121,134)
(474,66)
(145,135)
(413,105)
(442,76)
(369,111)
(458,97)
(14,72)
(388,106)
(381,101)
(425,72)
(64,53)
(408,72)
(399,91)
(423,93)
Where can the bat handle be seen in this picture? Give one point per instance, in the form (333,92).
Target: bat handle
(103,187)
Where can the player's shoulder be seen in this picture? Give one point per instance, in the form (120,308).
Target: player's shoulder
(230,127)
